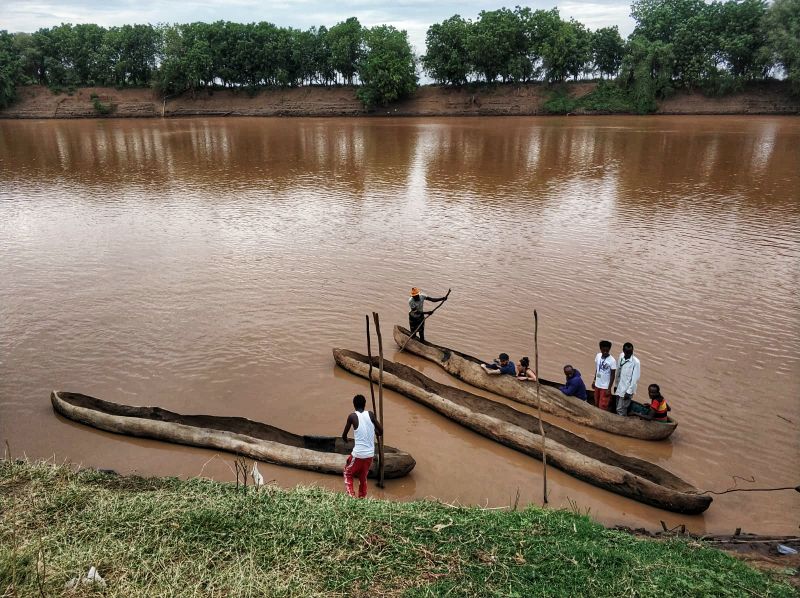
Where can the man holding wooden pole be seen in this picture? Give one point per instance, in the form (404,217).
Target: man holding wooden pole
(365,425)
(417,313)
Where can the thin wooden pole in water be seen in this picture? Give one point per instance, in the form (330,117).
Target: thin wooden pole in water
(380,391)
(538,400)
(372,393)
(369,354)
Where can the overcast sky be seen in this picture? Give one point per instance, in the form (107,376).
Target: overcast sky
(415,16)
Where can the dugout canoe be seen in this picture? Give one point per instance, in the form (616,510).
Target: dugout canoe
(468,369)
(237,435)
(588,461)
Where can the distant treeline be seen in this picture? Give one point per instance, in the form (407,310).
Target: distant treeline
(713,46)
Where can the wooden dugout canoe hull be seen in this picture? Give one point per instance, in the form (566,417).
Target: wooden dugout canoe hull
(468,369)
(237,435)
(588,461)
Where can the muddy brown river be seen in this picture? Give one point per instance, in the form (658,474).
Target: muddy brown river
(210,265)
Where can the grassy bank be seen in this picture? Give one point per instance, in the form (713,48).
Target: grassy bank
(167,537)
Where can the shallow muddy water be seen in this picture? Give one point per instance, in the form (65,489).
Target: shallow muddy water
(210,265)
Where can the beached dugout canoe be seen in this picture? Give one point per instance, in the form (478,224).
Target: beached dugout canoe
(581,458)
(237,435)
(468,369)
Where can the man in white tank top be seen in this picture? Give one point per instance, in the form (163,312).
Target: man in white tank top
(364,424)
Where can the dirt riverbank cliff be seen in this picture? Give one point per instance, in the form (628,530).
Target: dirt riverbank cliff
(430,100)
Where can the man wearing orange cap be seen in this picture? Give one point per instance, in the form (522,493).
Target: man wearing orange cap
(416,313)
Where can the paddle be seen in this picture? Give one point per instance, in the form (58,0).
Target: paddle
(423,320)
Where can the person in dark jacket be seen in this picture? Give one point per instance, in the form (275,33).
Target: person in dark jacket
(574,386)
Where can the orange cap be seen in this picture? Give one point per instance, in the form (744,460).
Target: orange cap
(414,291)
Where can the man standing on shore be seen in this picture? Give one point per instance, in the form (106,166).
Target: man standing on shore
(605,370)
(364,425)
(416,313)
(629,371)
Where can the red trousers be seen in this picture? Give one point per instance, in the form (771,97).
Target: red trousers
(602,398)
(359,468)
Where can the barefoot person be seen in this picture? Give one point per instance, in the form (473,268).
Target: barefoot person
(416,312)
(364,426)
(629,370)
(605,370)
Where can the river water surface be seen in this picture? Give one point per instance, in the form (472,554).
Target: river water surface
(210,265)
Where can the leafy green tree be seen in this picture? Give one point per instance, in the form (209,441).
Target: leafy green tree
(498,46)
(646,71)
(31,60)
(387,71)
(130,54)
(10,69)
(743,38)
(345,41)
(171,77)
(568,51)
(447,59)
(608,49)
(657,20)
(322,57)
(538,28)
(783,26)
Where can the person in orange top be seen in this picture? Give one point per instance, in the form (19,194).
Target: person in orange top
(658,404)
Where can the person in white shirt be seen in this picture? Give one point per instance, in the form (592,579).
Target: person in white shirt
(605,370)
(365,425)
(629,371)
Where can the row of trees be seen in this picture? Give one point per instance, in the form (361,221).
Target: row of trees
(519,46)
(676,43)
(189,57)
(689,43)
(716,45)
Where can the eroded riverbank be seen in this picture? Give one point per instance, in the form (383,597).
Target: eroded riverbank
(430,100)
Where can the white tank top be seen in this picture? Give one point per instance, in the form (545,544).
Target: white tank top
(364,435)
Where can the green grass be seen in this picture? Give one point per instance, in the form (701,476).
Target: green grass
(101,108)
(606,98)
(166,537)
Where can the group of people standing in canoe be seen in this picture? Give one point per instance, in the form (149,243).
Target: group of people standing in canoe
(614,384)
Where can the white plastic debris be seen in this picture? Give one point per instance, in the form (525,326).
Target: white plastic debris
(258,479)
(783,549)
(92,577)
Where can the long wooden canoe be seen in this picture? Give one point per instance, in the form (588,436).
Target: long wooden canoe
(588,461)
(468,368)
(326,454)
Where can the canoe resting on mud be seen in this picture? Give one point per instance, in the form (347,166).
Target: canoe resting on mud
(581,458)
(237,435)
(468,369)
